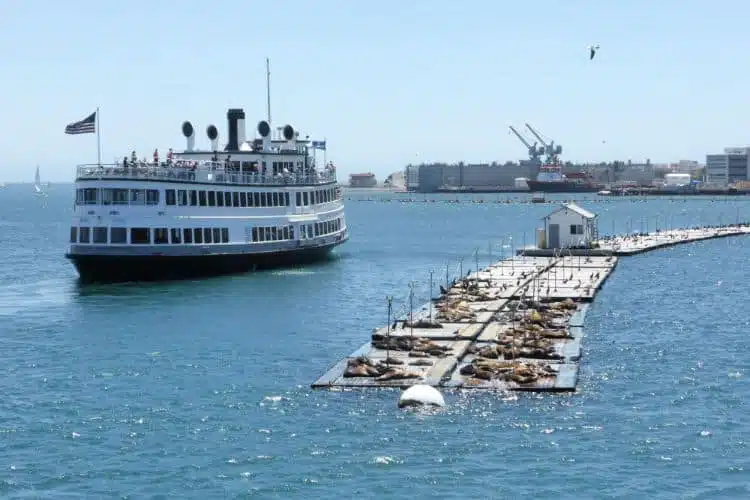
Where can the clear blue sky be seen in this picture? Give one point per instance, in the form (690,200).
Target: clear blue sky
(386,82)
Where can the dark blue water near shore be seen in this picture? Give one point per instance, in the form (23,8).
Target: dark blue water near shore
(199,389)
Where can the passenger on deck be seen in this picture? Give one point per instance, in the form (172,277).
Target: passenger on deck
(133,159)
(169,157)
(156,157)
(125,162)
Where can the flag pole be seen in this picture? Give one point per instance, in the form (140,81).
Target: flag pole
(325,151)
(98,139)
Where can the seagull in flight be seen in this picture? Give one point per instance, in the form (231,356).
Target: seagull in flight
(593,50)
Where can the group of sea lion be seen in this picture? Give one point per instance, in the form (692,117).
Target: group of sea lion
(418,347)
(380,371)
(454,310)
(511,371)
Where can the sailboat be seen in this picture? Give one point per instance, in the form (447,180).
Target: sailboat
(38,183)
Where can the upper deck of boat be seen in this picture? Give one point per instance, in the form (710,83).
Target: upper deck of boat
(204,172)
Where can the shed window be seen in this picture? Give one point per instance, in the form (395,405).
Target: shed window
(576,229)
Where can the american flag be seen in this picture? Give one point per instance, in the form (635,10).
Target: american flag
(85,126)
(319,145)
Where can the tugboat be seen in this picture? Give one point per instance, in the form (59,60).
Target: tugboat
(256,204)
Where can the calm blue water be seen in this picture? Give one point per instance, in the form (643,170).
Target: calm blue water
(200,389)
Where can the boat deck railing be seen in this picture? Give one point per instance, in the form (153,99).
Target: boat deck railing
(209,172)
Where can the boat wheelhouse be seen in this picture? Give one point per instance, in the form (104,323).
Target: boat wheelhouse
(256,204)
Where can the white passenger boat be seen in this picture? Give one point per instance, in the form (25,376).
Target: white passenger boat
(254,204)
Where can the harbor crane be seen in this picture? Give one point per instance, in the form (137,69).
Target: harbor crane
(550,149)
(534,152)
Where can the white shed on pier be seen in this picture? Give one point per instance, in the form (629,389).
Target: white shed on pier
(570,226)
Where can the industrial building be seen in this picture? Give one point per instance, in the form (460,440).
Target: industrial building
(730,167)
(363,180)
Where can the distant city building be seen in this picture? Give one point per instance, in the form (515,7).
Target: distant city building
(729,167)
(363,180)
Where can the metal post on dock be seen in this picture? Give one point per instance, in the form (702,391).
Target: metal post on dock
(447,277)
(461,268)
(489,252)
(411,309)
(476,262)
(431,273)
(388,299)
(512,256)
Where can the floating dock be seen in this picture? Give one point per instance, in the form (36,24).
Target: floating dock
(639,243)
(515,325)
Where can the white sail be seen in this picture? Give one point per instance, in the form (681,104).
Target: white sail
(37,182)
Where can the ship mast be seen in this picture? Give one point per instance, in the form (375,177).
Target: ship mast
(268,89)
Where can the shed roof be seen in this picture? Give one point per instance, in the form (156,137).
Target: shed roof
(575,208)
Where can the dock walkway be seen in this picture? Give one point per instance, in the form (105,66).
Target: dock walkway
(515,325)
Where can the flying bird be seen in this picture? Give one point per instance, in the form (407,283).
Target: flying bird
(593,49)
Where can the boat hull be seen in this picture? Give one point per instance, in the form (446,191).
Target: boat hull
(102,268)
(562,187)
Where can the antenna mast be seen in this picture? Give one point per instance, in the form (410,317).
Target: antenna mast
(268,89)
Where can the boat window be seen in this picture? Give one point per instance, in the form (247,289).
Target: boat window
(193,198)
(73,234)
(198,235)
(274,234)
(79,196)
(161,236)
(285,232)
(202,198)
(187,235)
(169,196)
(250,199)
(140,236)
(255,234)
(243,199)
(118,235)
(317,229)
(120,196)
(152,197)
(286,199)
(182,198)
(137,197)
(298,199)
(217,235)
(90,196)
(256,199)
(107,196)
(302,232)
(235,199)
(262,199)
(100,235)
(227,198)
(175,236)
(267,234)
(291,232)
(207,235)
(83,235)
(212,198)
(220,199)
(309,230)
(225,235)
(305,199)
(275,198)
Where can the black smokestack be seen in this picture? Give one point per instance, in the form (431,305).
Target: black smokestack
(233,115)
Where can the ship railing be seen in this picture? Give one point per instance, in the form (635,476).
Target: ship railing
(204,173)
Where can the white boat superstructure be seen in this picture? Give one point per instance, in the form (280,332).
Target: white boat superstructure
(252,204)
